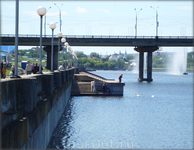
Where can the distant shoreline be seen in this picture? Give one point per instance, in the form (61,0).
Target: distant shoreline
(153,69)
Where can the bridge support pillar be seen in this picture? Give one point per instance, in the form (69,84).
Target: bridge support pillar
(149,67)
(55,57)
(141,61)
(142,50)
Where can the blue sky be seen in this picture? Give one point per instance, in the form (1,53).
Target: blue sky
(102,18)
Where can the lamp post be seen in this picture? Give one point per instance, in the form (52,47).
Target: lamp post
(66,44)
(52,26)
(157,23)
(63,40)
(136,22)
(59,34)
(59,15)
(41,12)
(45,23)
(16,40)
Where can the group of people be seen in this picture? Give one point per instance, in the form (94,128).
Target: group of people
(105,87)
(62,67)
(32,68)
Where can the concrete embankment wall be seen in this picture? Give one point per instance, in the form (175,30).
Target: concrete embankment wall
(82,85)
(31,108)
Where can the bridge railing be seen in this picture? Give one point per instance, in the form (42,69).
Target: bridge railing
(99,36)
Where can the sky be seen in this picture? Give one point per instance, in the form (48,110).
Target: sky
(102,18)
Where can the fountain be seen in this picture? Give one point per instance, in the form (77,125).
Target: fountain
(135,64)
(178,63)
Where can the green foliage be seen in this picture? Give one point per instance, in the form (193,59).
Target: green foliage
(190,59)
(81,56)
(31,53)
(94,54)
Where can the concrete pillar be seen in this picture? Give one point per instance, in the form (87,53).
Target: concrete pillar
(149,67)
(141,61)
(55,57)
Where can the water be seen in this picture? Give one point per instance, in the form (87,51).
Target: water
(160,118)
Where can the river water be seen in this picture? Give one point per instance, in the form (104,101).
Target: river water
(156,115)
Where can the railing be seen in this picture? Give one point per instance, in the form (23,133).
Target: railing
(99,36)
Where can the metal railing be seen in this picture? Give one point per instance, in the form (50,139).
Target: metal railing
(99,36)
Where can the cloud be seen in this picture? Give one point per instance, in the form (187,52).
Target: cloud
(81,10)
(52,14)
(33,14)
(104,10)
(94,23)
(10,6)
(63,13)
(184,8)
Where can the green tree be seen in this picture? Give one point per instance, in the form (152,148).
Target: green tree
(94,54)
(120,64)
(81,56)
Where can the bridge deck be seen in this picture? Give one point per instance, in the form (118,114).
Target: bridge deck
(100,40)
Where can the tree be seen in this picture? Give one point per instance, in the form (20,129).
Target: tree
(94,54)
(81,56)
(120,64)
(111,65)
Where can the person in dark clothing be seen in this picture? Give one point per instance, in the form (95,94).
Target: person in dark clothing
(35,69)
(1,70)
(120,76)
(38,68)
(107,89)
(103,87)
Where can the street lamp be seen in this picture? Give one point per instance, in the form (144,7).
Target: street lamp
(63,40)
(41,12)
(16,40)
(66,44)
(59,34)
(45,23)
(157,23)
(136,22)
(52,26)
(59,15)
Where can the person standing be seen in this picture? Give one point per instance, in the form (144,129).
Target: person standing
(4,71)
(38,69)
(13,69)
(120,76)
(103,87)
(1,69)
(35,69)
(28,68)
(107,89)
(93,86)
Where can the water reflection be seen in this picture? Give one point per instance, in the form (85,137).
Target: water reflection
(142,122)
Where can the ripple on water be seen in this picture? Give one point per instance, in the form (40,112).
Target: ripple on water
(163,121)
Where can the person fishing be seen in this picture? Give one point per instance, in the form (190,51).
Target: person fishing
(120,76)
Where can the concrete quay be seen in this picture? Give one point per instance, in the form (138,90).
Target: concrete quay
(31,107)
(82,85)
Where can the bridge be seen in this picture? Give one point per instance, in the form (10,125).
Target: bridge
(99,40)
(142,44)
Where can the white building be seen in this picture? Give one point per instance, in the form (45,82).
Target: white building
(116,56)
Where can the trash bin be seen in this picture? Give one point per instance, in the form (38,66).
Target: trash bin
(23,64)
